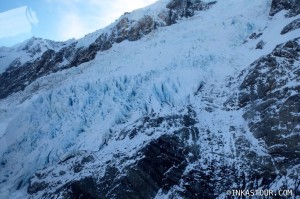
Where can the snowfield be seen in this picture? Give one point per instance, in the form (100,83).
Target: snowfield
(76,110)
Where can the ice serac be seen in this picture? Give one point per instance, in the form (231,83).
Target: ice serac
(182,99)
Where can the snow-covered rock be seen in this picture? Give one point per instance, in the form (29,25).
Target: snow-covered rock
(181,99)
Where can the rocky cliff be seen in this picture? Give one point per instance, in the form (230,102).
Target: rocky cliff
(185,101)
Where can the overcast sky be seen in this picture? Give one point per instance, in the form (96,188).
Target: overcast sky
(59,20)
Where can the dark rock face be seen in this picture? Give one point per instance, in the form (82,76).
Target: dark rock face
(255,35)
(170,164)
(162,166)
(260,45)
(179,9)
(293,6)
(141,28)
(36,187)
(270,94)
(17,79)
(294,25)
(159,165)
(136,31)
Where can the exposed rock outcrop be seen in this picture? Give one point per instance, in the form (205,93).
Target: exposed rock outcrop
(270,94)
(294,25)
(159,164)
(292,6)
(186,8)
(183,139)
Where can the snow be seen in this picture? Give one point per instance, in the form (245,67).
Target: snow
(28,50)
(75,109)
(152,10)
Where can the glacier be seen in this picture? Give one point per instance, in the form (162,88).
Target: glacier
(179,81)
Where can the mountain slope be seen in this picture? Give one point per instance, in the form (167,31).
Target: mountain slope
(182,99)
(22,71)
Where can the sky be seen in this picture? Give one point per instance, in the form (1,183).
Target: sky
(59,20)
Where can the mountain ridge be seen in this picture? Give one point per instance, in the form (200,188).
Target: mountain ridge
(72,56)
(196,109)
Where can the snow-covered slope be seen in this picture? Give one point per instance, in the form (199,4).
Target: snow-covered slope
(162,104)
(29,50)
(128,27)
